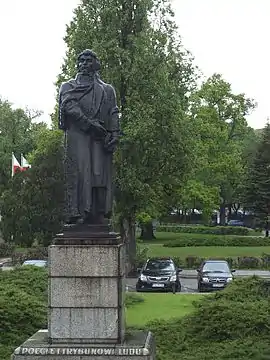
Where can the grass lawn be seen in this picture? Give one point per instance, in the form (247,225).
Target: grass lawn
(207,251)
(160,306)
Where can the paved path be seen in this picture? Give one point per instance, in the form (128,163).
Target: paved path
(189,279)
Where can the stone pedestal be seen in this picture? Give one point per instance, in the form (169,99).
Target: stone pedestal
(86,301)
(139,346)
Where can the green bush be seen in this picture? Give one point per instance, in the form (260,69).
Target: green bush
(229,325)
(6,250)
(215,230)
(36,253)
(32,280)
(245,262)
(23,308)
(204,240)
(141,255)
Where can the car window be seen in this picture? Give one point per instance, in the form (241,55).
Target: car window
(159,265)
(216,267)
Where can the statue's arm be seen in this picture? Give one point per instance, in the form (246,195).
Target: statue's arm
(70,109)
(113,123)
(114,126)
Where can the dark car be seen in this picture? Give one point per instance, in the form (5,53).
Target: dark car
(159,274)
(214,275)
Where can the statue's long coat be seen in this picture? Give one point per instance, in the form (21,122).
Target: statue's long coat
(87,163)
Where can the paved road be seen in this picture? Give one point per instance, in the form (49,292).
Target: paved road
(189,279)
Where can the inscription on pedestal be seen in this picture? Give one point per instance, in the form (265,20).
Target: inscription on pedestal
(122,351)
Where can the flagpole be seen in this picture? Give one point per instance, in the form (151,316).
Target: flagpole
(12,165)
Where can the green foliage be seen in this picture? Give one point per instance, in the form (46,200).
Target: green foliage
(219,126)
(204,240)
(217,230)
(232,324)
(144,218)
(258,191)
(29,279)
(240,262)
(23,308)
(132,39)
(34,253)
(6,250)
(141,255)
(18,135)
(32,205)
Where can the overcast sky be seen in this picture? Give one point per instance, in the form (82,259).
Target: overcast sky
(230,37)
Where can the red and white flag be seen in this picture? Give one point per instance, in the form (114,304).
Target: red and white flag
(24,163)
(15,165)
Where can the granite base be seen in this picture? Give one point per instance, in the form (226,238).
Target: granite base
(137,346)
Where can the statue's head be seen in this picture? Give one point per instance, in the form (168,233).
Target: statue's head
(87,62)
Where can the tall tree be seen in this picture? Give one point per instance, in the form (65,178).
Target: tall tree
(258,184)
(142,56)
(17,134)
(220,128)
(31,206)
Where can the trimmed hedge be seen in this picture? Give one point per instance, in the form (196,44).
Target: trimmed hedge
(215,230)
(6,250)
(203,240)
(39,253)
(241,262)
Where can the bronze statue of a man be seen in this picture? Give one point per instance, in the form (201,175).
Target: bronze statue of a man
(89,116)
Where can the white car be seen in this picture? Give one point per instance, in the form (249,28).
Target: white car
(40,263)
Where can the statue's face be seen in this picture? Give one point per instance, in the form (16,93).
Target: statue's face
(85,64)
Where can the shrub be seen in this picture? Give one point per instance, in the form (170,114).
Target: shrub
(23,308)
(249,262)
(141,255)
(203,240)
(193,262)
(232,324)
(215,230)
(38,253)
(29,279)
(6,249)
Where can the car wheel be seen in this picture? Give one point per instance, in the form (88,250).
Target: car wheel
(138,288)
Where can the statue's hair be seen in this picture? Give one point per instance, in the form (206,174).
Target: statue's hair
(87,52)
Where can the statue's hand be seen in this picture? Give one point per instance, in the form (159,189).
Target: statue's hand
(111,145)
(99,129)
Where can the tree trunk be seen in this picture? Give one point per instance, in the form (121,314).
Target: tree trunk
(127,231)
(222,212)
(267,229)
(147,232)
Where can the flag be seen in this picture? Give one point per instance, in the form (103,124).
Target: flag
(15,165)
(24,163)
